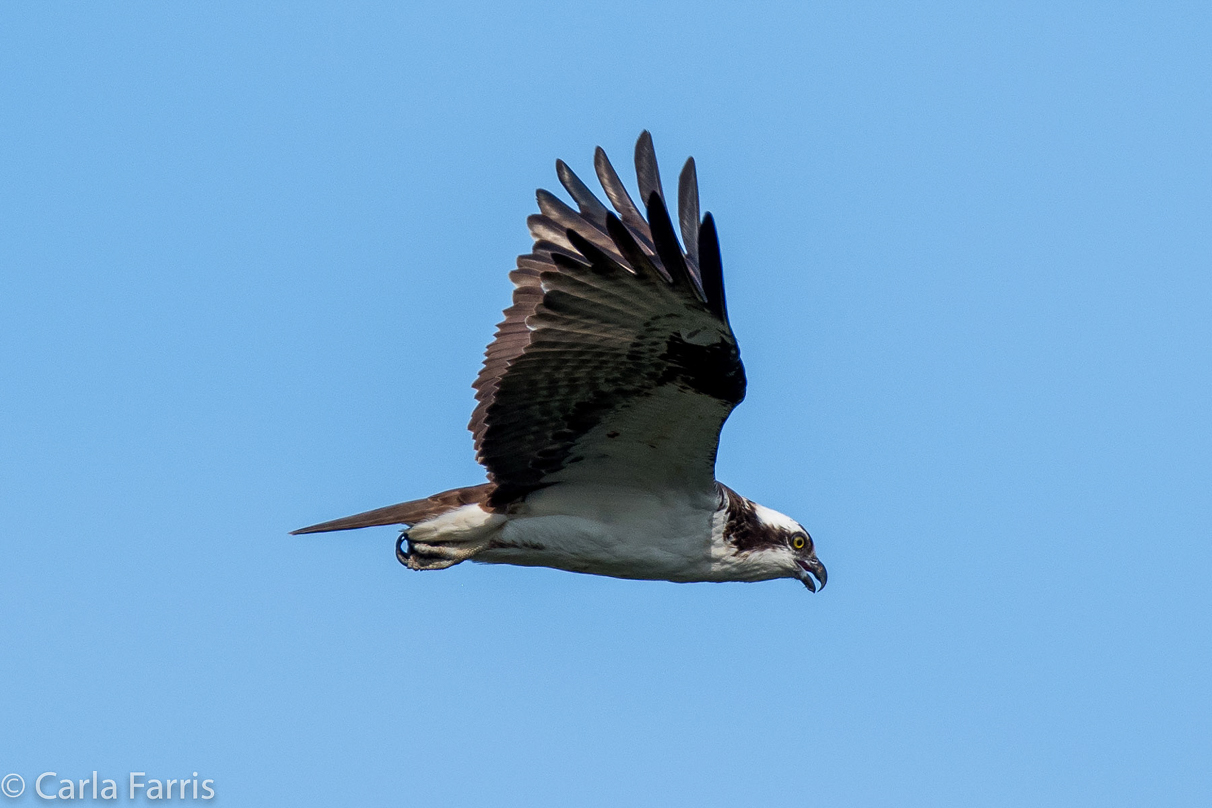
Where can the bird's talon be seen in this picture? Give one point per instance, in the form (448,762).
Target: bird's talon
(401,555)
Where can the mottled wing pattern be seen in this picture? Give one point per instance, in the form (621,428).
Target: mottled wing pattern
(616,361)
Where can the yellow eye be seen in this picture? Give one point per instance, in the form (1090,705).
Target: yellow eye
(798,542)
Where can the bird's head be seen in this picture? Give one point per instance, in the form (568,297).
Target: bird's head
(772,544)
(793,547)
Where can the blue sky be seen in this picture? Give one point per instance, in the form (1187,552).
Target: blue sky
(249,260)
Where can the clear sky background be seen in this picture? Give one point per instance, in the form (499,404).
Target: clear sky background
(249,261)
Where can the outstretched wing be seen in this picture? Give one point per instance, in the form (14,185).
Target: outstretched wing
(615,362)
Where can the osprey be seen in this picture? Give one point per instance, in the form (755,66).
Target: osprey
(600,405)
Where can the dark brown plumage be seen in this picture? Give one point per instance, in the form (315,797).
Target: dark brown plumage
(627,284)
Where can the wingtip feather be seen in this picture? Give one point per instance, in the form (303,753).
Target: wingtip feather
(648,175)
(688,208)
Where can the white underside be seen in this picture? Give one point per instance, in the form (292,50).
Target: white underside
(617,531)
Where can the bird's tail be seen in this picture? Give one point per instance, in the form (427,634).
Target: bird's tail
(407,513)
(443,529)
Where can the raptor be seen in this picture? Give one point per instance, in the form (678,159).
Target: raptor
(600,406)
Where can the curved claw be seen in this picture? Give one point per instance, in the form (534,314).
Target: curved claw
(402,556)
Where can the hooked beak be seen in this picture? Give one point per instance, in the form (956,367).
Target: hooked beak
(810,567)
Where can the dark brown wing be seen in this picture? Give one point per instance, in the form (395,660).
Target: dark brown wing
(615,362)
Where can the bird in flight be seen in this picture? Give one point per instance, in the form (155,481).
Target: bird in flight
(600,406)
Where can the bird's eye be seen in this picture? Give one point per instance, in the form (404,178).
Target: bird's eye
(798,542)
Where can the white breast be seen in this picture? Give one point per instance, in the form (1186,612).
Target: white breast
(617,531)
